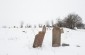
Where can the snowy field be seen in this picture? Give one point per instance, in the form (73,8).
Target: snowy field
(16,41)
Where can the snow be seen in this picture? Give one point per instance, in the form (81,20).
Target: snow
(19,41)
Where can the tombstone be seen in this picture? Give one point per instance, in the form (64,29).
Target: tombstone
(39,38)
(56,37)
(62,31)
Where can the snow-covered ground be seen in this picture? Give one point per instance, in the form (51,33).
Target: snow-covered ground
(16,41)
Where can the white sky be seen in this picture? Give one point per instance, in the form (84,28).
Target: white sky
(38,11)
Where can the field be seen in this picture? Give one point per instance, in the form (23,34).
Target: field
(19,41)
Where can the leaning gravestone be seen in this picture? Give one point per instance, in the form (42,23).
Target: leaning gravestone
(39,38)
(56,37)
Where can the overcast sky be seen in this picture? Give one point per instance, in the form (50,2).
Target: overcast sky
(38,11)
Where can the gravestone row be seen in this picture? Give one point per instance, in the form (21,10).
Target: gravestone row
(56,37)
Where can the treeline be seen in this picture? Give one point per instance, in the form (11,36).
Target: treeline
(72,21)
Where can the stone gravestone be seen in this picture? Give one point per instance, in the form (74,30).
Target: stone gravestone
(39,38)
(56,37)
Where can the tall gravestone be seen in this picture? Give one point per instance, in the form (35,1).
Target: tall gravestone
(39,38)
(56,36)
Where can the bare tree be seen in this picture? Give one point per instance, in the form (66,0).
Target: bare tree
(72,20)
(60,23)
(80,26)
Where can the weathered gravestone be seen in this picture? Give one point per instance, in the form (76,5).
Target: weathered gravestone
(56,37)
(39,38)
